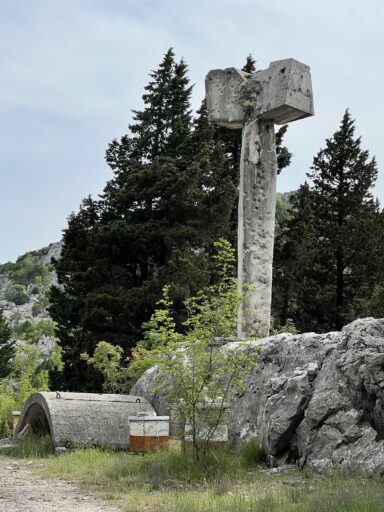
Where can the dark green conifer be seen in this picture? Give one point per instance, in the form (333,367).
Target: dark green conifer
(170,197)
(332,241)
(7,347)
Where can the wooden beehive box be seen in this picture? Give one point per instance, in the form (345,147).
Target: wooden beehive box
(147,433)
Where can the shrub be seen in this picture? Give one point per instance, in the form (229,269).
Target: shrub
(252,454)
(33,447)
(17,294)
(32,332)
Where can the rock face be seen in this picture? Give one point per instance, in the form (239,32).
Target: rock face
(28,310)
(317,399)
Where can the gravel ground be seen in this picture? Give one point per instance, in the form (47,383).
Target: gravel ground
(23,491)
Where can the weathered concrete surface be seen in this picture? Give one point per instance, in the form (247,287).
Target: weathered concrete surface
(280,94)
(317,399)
(83,419)
(223,97)
(256,227)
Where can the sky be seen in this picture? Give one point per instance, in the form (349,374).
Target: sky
(71,71)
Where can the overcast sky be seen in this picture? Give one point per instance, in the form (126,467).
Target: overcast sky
(71,71)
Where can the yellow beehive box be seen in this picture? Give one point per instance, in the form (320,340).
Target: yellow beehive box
(15,420)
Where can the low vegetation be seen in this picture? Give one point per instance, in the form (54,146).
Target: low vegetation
(28,268)
(32,447)
(165,480)
(26,356)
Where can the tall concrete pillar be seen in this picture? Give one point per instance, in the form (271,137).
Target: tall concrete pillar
(277,95)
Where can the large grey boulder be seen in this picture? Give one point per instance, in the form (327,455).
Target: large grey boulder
(318,399)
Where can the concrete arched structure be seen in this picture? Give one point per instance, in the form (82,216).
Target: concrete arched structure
(83,419)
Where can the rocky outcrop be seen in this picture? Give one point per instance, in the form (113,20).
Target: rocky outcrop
(33,308)
(317,399)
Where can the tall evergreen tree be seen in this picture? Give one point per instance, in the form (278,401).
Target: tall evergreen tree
(172,194)
(170,197)
(329,253)
(7,348)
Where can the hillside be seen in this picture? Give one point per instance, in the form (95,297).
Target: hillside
(24,290)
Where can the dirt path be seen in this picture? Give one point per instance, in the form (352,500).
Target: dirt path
(23,491)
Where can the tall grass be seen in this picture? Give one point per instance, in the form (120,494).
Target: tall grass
(167,481)
(32,447)
(252,454)
(159,470)
(345,494)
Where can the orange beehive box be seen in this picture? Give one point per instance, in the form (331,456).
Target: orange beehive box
(147,433)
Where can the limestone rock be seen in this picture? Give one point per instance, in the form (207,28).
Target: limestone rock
(317,399)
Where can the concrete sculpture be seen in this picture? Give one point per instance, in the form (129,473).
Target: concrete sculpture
(254,102)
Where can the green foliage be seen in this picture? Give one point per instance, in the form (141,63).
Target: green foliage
(32,447)
(328,253)
(27,268)
(289,327)
(17,294)
(7,405)
(196,377)
(7,347)
(252,454)
(165,468)
(163,481)
(160,330)
(40,305)
(170,197)
(107,360)
(30,331)
(28,375)
(26,371)
(283,215)
(160,469)
(172,194)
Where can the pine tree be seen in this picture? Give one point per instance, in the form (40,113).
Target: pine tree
(169,199)
(250,64)
(333,239)
(7,347)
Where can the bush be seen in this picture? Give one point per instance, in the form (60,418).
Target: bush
(32,332)
(32,447)
(252,454)
(26,268)
(31,376)
(17,294)
(7,405)
(40,305)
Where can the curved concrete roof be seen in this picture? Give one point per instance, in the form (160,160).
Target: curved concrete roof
(83,419)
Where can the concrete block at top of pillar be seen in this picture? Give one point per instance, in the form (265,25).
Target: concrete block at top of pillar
(222,93)
(285,91)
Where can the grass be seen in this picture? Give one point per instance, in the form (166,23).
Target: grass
(252,454)
(166,481)
(32,447)
(158,470)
